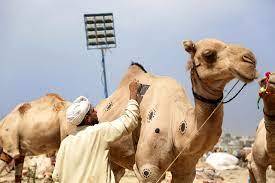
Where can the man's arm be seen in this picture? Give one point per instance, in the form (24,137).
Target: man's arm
(129,119)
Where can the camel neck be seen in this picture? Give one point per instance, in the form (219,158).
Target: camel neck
(204,110)
(269,109)
(269,119)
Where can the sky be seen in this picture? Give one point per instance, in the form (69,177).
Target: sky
(43,47)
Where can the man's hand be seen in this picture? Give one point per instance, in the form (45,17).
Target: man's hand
(133,87)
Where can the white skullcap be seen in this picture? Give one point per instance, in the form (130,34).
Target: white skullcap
(77,110)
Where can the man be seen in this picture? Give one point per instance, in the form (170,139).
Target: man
(83,156)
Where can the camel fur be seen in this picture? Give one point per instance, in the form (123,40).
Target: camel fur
(168,118)
(33,128)
(263,150)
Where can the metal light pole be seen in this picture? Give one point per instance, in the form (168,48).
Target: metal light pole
(100,34)
(104,74)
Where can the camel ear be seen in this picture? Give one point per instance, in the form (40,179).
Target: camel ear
(189,46)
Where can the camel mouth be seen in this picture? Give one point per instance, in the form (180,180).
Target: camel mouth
(249,59)
(243,77)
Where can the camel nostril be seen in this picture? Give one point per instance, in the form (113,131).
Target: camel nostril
(248,57)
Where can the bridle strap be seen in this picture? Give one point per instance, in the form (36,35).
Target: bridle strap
(204,86)
(217,101)
(209,101)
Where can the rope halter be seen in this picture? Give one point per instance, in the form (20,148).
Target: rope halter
(265,90)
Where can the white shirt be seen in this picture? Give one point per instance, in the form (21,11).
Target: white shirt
(83,157)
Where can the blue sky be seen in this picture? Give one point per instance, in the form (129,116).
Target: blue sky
(43,46)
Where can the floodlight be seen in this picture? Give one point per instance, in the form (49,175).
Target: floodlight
(100,34)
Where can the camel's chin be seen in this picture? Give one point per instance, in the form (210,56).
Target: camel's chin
(244,77)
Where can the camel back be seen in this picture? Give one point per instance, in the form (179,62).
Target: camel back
(41,118)
(165,103)
(112,107)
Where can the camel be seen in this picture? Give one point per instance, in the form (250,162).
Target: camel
(33,128)
(168,119)
(263,150)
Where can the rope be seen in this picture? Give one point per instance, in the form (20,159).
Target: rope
(236,93)
(195,132)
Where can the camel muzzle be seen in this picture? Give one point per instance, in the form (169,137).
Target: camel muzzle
(249,58)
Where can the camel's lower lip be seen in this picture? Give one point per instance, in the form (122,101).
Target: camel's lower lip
(244,78)
(250,61)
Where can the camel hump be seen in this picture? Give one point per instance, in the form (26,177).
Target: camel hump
(134,70)
(24,108)
(138,65)
(55,96)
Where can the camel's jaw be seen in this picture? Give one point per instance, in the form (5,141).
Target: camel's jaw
(245,77)
(245,71)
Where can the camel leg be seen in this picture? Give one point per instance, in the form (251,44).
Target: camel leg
(258,172)
(251,177)
(3,164)
(118,171)
(18,163)
(183,178)
(5,160)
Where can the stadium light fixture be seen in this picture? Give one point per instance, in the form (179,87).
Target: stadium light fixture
(100,34)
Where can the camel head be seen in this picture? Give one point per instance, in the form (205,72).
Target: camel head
(267,85)
(216,63)
(267,92)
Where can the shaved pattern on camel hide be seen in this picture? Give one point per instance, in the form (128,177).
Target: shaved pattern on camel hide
(183,127)
(157,130)
(151,115)
(146,173)
(24,108)
(109,106)
(160,135)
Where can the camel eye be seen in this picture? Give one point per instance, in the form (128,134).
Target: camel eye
(210,55)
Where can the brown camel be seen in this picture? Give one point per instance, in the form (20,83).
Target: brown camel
(32,128)
(168,119)
(263,150)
